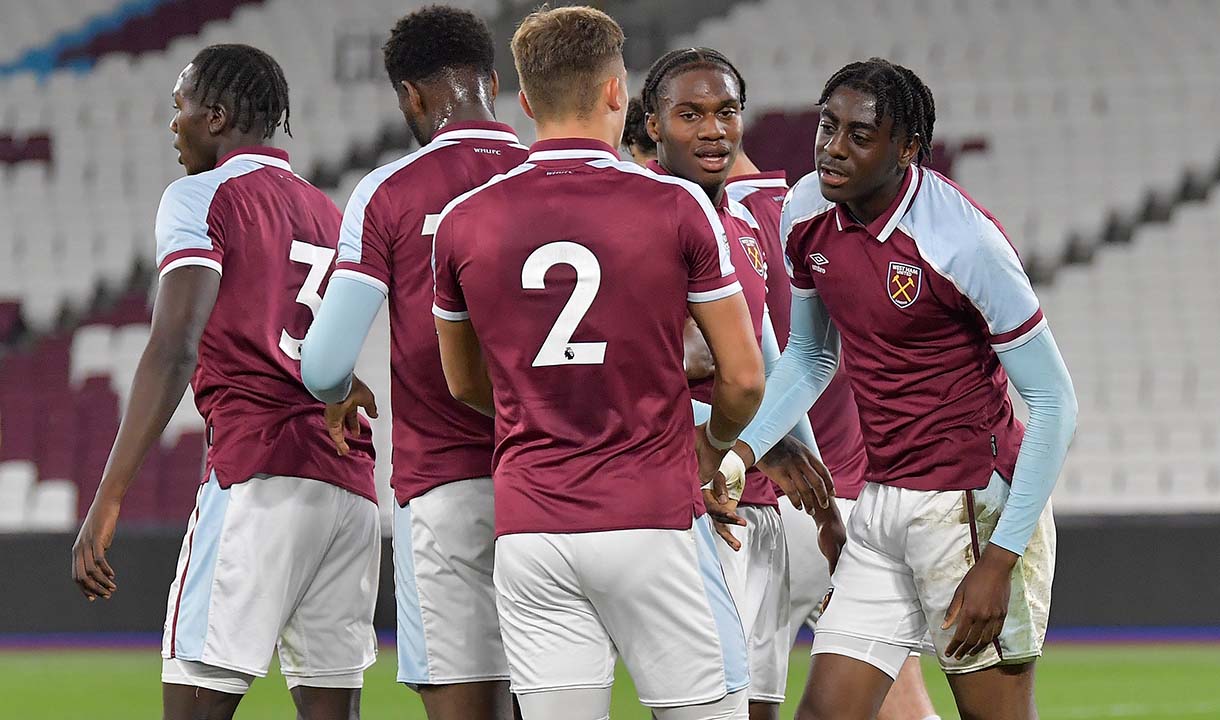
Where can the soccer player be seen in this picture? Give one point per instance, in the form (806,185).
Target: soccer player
(283,547)
(563,284)
(953,532)
(693,100)
(440,61)
(836,422)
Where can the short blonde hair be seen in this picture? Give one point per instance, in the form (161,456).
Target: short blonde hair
(562,56)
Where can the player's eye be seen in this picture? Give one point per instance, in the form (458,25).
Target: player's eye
(728,112)
(826,127)
(859,139)
(689,116)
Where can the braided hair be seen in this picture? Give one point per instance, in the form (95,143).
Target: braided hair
(676,61)
(247,77)
(900,94)
(635,131)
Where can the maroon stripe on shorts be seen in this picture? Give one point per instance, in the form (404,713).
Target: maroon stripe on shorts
(974,547)
(190,545)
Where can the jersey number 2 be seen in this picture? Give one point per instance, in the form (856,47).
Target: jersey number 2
(558,348)
(318,259)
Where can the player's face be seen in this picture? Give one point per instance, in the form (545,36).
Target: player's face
(192,138)
(857,160)
(698,126)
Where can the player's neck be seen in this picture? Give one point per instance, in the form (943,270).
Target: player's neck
(874,206)
(236,141)
(579,128)
(743,166)
(465,112)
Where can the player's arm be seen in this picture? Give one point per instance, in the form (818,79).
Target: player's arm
(184,302)
(465,369)
(696,357)
(330,352)
(1037,371)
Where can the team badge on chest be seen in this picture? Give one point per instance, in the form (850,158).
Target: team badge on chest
(904,282)
(754,253)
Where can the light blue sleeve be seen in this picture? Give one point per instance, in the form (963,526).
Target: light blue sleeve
(802,373)
(332,346)
(1037,371)
(771,356)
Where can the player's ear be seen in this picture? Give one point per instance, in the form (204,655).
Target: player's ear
(218,119)
(653,127)
(495,84)
(909,151)
(525,105)
(414,99)
(614,93)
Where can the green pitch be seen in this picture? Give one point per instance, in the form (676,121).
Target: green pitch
(1074,683)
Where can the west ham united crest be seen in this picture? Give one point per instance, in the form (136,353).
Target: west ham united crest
(904,283)
(754,252)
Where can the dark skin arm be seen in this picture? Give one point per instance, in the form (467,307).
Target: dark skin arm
(697,357)
(463,364)
(184,302)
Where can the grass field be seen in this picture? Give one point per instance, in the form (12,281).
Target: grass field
(1146,682)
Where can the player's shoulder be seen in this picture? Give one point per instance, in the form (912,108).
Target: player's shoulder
(804,201)
(739,211)
(683,196)
(479,197)
(194,193)
(744,186)
(948,225)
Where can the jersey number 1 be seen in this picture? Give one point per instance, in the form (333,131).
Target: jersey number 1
(558,348)
(318,259)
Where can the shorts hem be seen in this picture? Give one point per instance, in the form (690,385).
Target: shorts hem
(683,702)
(555,688)
(219,664)
(769,699)
(913,647)
(451,680)
(327,673)
(862,657)
(1013,660)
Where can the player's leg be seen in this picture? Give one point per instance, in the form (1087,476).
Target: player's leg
(210,653)
(560,657)
(999,681)
(672,618)
(327,640)
(767,634)
(449,646)
(872,619)
(908,696)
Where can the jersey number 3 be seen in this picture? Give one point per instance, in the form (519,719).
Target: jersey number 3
(558,348)
(318,259)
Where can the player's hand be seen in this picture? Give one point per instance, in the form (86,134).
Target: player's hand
(90,570)
(342,416)
(726,534)
(832,534)
(980,604)
(800,474)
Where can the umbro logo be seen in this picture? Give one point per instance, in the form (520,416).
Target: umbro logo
(819,262)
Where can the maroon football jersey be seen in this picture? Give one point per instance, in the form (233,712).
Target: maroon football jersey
(272,236)
(750,261)
(386,242)
(575,270)
(834,417)
(924,296)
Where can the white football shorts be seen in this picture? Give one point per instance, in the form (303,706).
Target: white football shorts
(571,604)
(758,579)
(906,553)
(274,562)
(444,548)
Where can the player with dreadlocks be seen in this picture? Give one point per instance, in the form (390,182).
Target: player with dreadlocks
(635,134)
(693,100)
(283,547)
(440,62)
(919,289)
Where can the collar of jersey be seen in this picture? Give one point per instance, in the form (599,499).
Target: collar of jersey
(775,178)
(882,227)
(476,130)
(571,149)
(261,154)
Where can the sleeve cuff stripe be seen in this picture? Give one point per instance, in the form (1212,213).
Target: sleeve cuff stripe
(1019,340)
(450,315)
(364,278)
(190,260)
(712,295)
